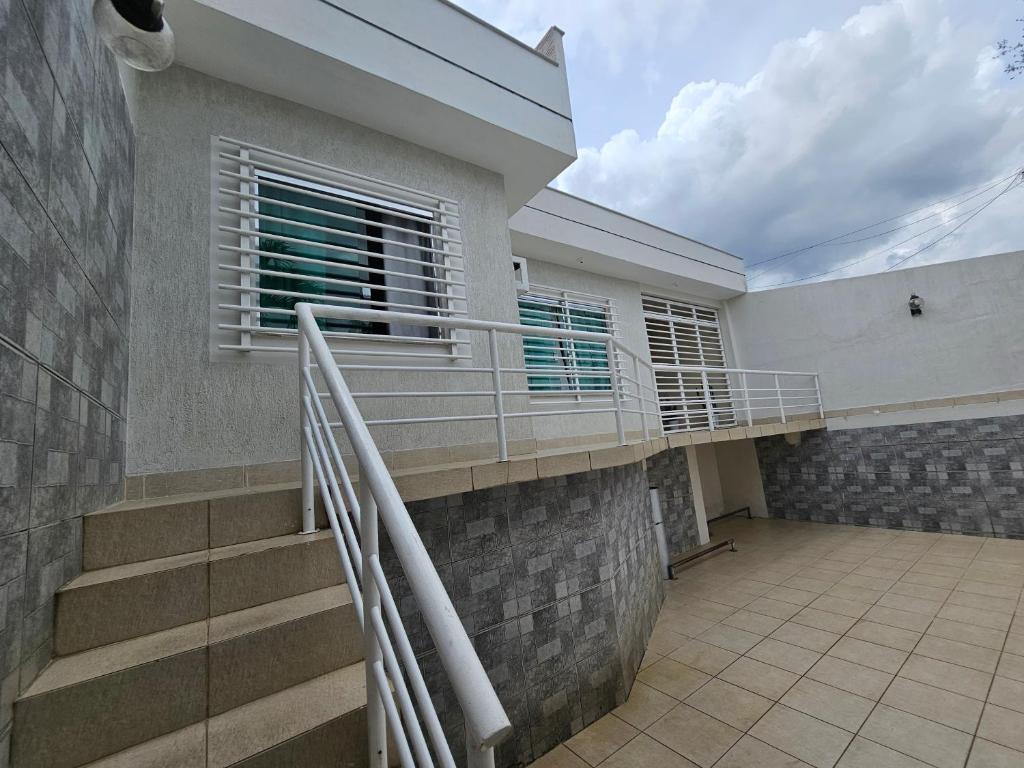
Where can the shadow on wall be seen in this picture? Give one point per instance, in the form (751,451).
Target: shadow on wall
(947,476)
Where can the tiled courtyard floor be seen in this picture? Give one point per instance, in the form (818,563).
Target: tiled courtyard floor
(824,645)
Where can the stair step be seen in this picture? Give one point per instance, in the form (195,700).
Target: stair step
(109,698)
(134,531)
(320,722)
(135,599)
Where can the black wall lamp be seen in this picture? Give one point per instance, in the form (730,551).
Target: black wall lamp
(916,305)
(136,31)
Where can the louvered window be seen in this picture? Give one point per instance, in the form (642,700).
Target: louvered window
(683,334)
(566,365)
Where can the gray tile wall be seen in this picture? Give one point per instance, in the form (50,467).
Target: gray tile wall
(557,583)
(669,472)
(962,476)
(66,181)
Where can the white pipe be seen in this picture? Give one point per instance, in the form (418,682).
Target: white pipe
(308,508)
(659,533)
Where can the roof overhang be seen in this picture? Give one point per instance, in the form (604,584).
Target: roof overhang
(568,230)
(421,70)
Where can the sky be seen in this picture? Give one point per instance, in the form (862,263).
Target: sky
(765,128)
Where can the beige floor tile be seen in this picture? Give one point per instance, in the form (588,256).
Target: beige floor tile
(882,634)
(759,677)
(936,744)
(813,741)
(989,590)
(985,602)
(1003,726)
(985,754)
(840,708)
(559,757)
(866,754)
(910,604)
(1012,666)
(868,654)
(807,584)
(806,637)
(708,658)
(774,608)
(663,641)
(706,609)
(973,656)
(601,738)
(936,704)
(644,705)
(949,677)
(730,638)
(645,751)
(894,617)
(792,658)
(868,582)
(946,582)
(830,622)
(790,595)
(673,678)
(648,659)
(967,633)
(729,703)
(682,623)
(697,737)
(852,608)
(757,623)
(854,678)
(1007,693)
(859,594)
(1014,644)
(749,752)
(753,586)
(920,590)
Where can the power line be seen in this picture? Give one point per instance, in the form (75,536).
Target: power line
(1016,181)
(971,213)
(982,187)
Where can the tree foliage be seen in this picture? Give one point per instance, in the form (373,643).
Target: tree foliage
(1013,53)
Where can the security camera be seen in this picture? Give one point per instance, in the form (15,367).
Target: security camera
(136,31)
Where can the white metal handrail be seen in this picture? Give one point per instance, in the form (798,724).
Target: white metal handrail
(397,696)
(714,398)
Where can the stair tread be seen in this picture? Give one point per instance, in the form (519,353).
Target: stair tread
(252,728)
(107,659)
(145,567)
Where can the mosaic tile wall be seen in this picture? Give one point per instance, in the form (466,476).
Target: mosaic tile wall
(66,180)
(557,583)
(669,472)
(954,476)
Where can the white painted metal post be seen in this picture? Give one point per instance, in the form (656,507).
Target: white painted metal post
(613,374)
(778,394)
(641,404)
(746,399)
(478,758)
(376,721)
(817,389)
(308,516)
(499,406)
(707,399)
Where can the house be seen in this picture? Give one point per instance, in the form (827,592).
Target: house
(314,275)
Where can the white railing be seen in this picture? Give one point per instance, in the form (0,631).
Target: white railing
(695,397)
(396,694)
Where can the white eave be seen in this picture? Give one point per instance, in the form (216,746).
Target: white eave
(568,230)
(422,70)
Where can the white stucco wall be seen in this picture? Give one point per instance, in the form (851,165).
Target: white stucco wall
(859,335)
(186,412)
(740,477)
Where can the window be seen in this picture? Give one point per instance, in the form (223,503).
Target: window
(290,230)
(564,364)
(681,334)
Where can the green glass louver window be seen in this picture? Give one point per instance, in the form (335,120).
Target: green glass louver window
(565,365)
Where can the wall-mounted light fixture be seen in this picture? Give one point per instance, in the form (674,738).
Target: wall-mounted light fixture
(916,305)
(136,32)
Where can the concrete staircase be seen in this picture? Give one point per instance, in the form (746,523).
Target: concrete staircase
(203,632)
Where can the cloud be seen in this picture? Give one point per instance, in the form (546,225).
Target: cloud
(841,128)
(617,28)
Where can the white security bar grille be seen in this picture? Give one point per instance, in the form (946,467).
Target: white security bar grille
(681,334)
(565,365)
(289,230)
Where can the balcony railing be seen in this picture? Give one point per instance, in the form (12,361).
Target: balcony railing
(710,398)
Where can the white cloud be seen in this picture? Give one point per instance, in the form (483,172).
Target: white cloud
(617,28)
(840,128)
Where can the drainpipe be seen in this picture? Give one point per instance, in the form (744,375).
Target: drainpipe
(136,32)
(659,534)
